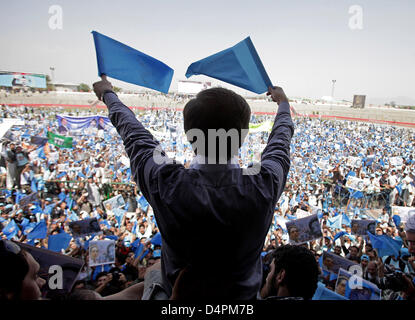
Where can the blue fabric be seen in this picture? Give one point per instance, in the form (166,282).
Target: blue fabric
(59,241)
(119,215)
(338,235)
(156,240)
(48,209)
(122,62)
(385,245)
(346,220)
(335,222)
(143,203)
(11,229)
(27,229)
(239,65)
(137,248)
(39,231)
(397,220)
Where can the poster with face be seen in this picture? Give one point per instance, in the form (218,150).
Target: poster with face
(114,203)
(28,199)
(333,262)
(355,162)
(304,229)
(354,287)
(361,227)
(71,268)
(355,183)
(101,252)
(84,227)
(403,212)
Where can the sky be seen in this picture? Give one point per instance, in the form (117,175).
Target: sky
(303,44)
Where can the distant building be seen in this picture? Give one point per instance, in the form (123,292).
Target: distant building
(65,86)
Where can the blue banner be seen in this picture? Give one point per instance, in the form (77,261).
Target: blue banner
(68,123)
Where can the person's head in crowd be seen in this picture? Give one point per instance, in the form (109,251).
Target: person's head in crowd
(216,108)
(410,234)
(12,146)
(353,252)
(372,269)
(379,231)
(364,261)
(19,278)
(337,250)
(293,273)
(100,279)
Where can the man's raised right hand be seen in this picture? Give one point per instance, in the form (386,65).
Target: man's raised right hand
(277,94)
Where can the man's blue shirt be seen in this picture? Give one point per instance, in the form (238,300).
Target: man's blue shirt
(213,217)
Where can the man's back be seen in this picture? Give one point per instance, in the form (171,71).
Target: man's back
(216,221)
(213,218)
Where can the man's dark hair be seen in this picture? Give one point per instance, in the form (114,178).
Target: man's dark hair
(217,108)
(13,270)
(301,270)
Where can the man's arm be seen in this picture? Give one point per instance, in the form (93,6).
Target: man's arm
(138,142)
(276,155)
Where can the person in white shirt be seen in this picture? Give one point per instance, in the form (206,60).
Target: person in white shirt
(393,181)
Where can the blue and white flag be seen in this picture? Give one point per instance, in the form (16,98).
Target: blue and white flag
(11,230)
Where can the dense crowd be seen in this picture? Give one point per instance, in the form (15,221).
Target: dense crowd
(71,184)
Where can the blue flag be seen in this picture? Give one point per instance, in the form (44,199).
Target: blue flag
(11,230)
(119,214)
(27,229)
(33,185)
(156,240)
(39,231)
(346,220)
(62,196)
(385,245)
(239,65)
(335,222)
(143,203)
(137,248)
(397,220)
(122,62)
(48,209)
(59,241)
(338,235)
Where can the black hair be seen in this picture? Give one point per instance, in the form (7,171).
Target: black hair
(301,270)
(13,270)
(217,108)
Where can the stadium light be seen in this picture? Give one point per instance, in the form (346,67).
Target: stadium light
(52,69)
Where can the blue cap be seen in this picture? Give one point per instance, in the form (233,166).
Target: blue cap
(9,206)
(365,257)
(157,253)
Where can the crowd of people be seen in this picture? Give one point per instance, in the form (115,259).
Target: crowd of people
(71,184)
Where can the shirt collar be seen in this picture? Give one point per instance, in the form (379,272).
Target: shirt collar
(200,163)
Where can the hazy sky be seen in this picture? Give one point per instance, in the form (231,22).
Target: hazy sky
(303,44)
